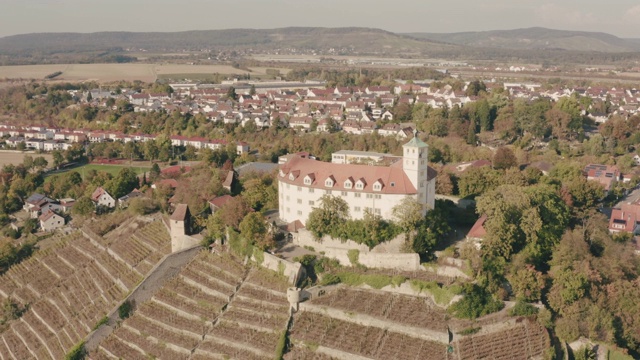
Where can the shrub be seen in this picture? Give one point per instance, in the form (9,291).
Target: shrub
(523,308)
(477,301)
(330,279)
(353,255)
(103,321)
(76,353)
(125,310)
(469,331)
(258,255)
(282,345)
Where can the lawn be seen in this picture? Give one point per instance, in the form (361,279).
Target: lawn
(111,169)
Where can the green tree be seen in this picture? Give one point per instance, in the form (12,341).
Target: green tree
(431,230)
(504,158)
(40,162)
(123,183)
(408,214)
(83,207)
(231,93)
(154,173)
(254,229)
(330,215)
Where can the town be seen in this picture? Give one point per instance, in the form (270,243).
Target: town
(319,193)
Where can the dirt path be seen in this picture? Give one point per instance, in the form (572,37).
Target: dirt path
(168,268)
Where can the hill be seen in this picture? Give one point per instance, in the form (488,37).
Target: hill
(536,38)
(358,40)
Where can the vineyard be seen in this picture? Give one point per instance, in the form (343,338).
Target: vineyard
(381,325)
(70,287)
(367,341)
(214,308)
(403,309)
(526,340)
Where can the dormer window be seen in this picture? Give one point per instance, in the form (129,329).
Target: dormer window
(360,184)
(281,173)
(348,184)
(377,186)
(329,182)
(308,180)
(294,175)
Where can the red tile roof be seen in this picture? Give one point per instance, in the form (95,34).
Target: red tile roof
(393,177)
(180,214)
(478,231)
(220,201)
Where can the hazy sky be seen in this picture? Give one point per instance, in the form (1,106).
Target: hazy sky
(618,17)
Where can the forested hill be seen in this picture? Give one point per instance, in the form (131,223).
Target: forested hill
(359,40)
(532,45)
(536,38)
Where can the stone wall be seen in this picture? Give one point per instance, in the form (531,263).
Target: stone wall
(376,257)
(291,270)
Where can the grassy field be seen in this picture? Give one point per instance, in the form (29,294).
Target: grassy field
(115,72)
(111,169)
(15,158)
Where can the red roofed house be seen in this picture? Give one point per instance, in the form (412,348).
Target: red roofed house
(478,232)
(101,197)
(218,202)
(50,221)
(626,218)
(303,181)
(606,175)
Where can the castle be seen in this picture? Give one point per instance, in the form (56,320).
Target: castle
(302,181)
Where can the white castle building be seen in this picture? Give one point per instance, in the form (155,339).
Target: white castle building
(303,181)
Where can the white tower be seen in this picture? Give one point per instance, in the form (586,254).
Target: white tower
(415,165)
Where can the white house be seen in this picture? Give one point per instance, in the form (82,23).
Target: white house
(50,221)
(378,189)
(101,197)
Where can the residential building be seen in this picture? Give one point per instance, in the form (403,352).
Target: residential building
(50,221)
(102,198)
(377,189)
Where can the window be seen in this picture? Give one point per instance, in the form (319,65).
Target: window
(357,209)
(348,184)
(393,184)
(378,196)
(369,196)
(377,211)
(344,194)
(299,201)
(328,192)
(287,186)
(310,190)
(299,213)
(357,195)
(299,188)
(288,198)
(288,210)
(312,203)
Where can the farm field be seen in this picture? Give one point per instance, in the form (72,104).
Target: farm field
(116,72)
(15,158)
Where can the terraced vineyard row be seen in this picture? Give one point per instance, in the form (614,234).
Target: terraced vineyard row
(526,340)
(207,311)
(368,341)
(69,287)
(404,309)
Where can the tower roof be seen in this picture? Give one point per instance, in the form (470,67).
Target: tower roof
(415,142)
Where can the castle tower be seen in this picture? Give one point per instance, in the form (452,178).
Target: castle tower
(415,165)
